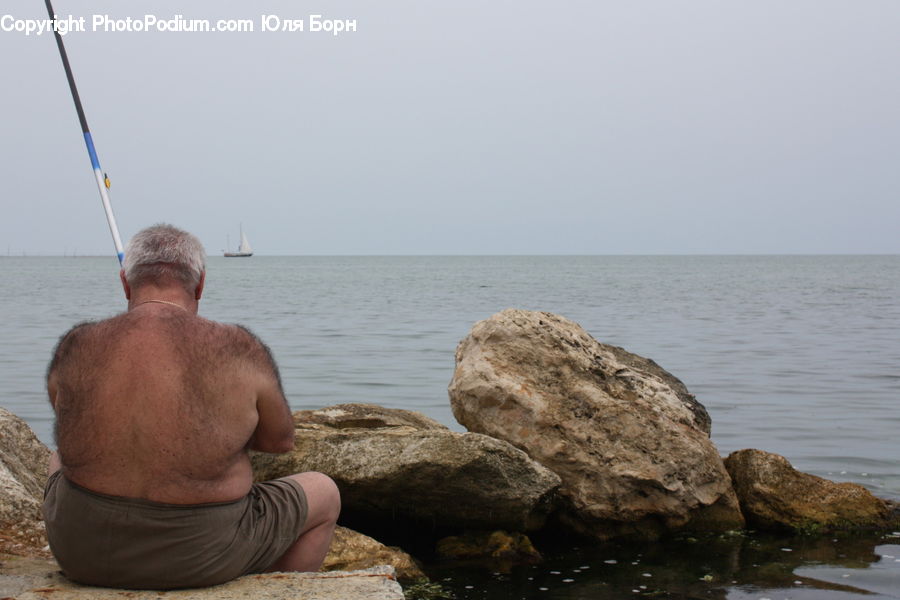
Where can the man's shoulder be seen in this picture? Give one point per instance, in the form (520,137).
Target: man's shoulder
(102,330)
(228,332)
(87,334)
(79,331)
(238,338)
(246,340)
(245,343)
(72,342)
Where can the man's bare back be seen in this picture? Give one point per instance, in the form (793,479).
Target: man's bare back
(160,404)
(151,485)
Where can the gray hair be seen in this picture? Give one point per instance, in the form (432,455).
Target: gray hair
(162,252)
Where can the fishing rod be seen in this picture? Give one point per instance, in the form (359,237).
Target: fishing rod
(102,179)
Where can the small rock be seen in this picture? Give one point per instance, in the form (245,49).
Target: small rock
(774,495)
(352,551)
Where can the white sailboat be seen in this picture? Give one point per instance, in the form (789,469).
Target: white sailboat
(244,249)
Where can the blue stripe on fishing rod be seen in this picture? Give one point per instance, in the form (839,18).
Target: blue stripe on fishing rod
(95,162)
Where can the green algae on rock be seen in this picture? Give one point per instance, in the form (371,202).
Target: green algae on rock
(774,495)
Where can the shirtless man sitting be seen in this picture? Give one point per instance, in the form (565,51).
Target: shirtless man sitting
(156,409)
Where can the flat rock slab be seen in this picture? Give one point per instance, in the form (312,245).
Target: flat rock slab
(37,579)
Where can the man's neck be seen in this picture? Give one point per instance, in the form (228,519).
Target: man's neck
(162,297)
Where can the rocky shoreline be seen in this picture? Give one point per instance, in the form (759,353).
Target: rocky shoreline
(566,436)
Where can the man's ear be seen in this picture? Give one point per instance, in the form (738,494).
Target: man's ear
(199,291)
(125,285)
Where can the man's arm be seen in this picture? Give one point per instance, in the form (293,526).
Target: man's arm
(275,428)
(62,354)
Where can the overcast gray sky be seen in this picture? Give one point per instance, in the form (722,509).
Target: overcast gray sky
(464,127)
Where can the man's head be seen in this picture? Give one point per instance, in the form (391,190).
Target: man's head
(163,256)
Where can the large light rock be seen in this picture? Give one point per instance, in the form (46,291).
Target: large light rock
(774,495)
(630,443)
(353,551)
(23,473)
(392,464)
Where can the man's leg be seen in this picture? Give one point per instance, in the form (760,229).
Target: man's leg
(314,539)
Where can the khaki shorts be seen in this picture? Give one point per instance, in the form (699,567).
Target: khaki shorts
(127,543)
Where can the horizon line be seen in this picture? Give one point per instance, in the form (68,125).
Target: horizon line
(499,255)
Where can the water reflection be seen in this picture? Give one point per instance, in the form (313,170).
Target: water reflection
(881,576)
(727,567)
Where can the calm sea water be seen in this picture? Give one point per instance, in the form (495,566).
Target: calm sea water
(798,355)
(791,354)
